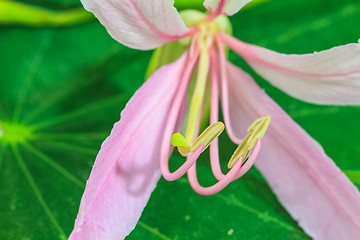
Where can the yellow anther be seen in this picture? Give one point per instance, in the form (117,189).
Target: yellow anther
(243,150)
(208,135)
(177,140)
(255,124)
(256,131)
(259,130)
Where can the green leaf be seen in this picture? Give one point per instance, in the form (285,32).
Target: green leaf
(61,90)
(64,88)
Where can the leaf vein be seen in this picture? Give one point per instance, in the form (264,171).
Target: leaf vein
(29,77)
(80,112)
(54,165)
(36,191)
(154,231)
(72,147)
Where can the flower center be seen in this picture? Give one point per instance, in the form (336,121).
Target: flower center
(203,40)
(205,54)
(204,26)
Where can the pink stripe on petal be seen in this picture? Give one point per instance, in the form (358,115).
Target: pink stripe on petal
(137,23)
(327,77)
(227,7)
(127,167)
(306,181)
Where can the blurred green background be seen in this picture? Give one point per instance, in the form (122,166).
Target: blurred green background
(64,82)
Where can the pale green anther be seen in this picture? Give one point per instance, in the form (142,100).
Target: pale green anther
(208,135)
(177,140)
(260,130)
(255,124)
(256,131)
(243,151)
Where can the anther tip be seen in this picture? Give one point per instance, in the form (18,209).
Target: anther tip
(220,126)
(267,119)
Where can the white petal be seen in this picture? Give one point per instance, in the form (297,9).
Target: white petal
(227,7)
(140,24)
(327,77)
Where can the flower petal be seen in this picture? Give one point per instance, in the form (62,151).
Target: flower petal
(137,23)
(327,77)
(227,7)
(306,181)
(127,167)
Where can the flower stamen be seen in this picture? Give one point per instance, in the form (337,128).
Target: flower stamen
(256,131)
(205,138)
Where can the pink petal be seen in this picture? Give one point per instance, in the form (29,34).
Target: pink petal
(227,7)
(127,167)
(306,181)
(139,24)
(327,77)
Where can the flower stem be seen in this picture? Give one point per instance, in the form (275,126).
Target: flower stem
(12,12)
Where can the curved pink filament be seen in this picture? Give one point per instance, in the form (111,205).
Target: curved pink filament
(235,173)
(193,44)
(214,117)
(190,160)
(251,160)
(225,92)
(214,112)
(220,185)
(170,125)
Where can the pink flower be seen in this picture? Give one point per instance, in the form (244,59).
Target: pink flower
(306,181)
